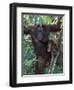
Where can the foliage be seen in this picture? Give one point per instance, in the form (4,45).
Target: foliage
(29,60)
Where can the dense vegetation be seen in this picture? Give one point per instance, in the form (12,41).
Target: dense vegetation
(29,57)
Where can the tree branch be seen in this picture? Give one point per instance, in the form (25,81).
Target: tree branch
(54,59)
